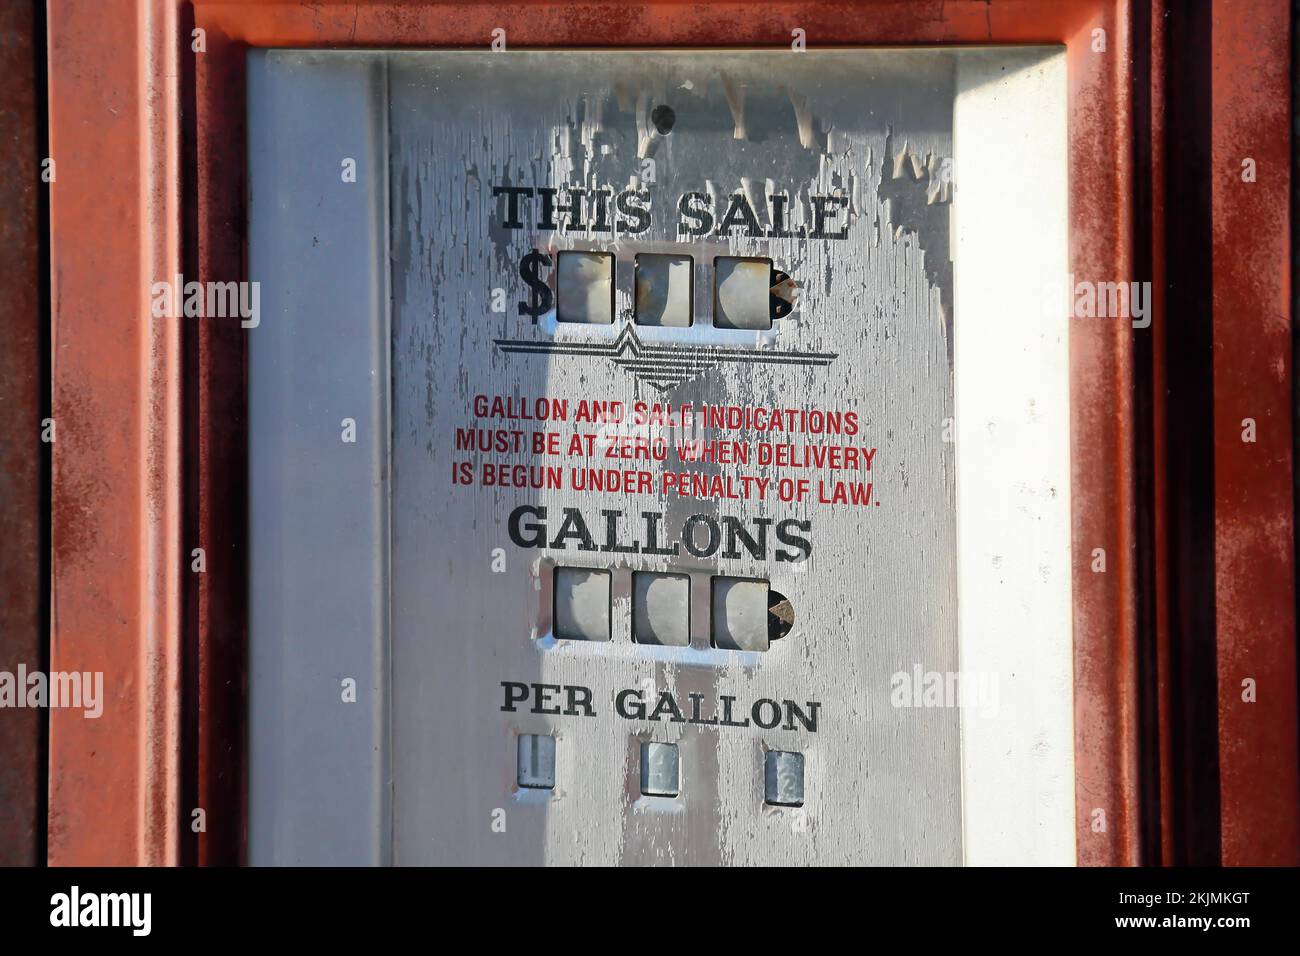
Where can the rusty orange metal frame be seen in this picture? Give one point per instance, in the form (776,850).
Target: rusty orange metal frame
(1259,789)
(142,196)
(115,587)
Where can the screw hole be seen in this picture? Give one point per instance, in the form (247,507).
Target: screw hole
(663,119)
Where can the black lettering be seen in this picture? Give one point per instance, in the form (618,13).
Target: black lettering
(512,194)
(621,706)
(808,720)
(579,700)
(669,705)
(573,527)
(516,693)
(577,222)
(688,535)
(778,230)
(694,206)
(547,219)
(540,694)
(695,710)
(652,535)
(821,213)
(740,213)
(611,534)
(536,532)
(786,535)
(757,710)
(726,713)
(636,217)
(602,197)
(736,532)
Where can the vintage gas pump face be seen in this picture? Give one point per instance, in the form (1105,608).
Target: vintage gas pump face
(650,373)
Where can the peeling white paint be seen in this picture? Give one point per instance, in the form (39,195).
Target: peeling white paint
(882,784)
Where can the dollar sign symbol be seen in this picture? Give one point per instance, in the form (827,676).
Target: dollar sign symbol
(541,297)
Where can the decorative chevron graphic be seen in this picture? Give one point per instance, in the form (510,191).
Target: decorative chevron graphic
(663,367)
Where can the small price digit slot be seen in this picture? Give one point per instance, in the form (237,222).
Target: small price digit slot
(742,293)
(664,290)
(740,614)
(585,288)
(661,609)
(581,604)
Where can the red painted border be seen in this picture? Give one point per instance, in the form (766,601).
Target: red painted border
(116,488)
(1259,788)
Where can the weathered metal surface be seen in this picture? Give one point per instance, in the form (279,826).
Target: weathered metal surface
(106,62)
(1103,628)
(1254,442)
(877,593)
(115,222)
(1105,635)
(869,324)
(1103,618)
(22,452)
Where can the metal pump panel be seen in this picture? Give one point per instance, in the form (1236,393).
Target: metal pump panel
(601,489)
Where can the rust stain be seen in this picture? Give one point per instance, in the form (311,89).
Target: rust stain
(84,497)
(1254,534)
